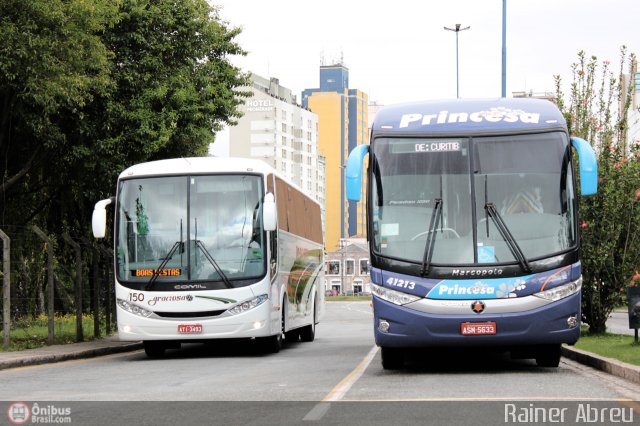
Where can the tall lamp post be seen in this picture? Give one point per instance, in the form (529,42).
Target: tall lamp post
(457,29)
(504,48)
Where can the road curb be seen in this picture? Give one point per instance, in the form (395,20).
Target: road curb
(48,358)
(608,365)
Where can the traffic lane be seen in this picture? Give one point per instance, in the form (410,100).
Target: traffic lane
(222,371)
(432,375)
(618,323)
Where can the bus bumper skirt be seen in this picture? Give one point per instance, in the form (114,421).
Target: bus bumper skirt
(544,325)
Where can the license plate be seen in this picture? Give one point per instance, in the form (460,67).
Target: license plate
(190,328)
(477,328)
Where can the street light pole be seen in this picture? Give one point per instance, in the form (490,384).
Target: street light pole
(457,29)
(504,48)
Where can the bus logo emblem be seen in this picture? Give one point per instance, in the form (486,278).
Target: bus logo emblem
(478,307)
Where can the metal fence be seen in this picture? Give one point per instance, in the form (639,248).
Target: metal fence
(58,283)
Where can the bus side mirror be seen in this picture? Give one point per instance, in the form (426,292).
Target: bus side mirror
(354,172)
(99,218)
(588,166)
(269,212)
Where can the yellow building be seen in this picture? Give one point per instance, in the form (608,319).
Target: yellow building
(342,125)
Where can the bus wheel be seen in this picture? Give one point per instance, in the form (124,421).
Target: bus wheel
(392,358)
(273,344)
(308,333)
(154,348)
(548,356)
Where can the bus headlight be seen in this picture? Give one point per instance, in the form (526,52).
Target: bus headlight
(395,297)
(134,309)
(562,291)
(248,304)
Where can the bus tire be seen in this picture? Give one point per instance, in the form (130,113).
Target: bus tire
(392,358)
(154,348)
(548,356)
(292,336)
(308,332)
(273,344)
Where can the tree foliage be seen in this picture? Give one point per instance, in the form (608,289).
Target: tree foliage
(90,87)
(597,110)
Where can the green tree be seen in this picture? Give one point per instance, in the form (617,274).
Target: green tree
(597,110)
(89,87)
(52,64)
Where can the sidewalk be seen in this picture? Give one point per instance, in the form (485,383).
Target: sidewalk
(57,353)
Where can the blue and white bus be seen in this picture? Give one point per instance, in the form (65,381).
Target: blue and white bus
(214,248)
(473,226)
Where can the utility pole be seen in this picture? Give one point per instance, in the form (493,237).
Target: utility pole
(504,48)
(457,29)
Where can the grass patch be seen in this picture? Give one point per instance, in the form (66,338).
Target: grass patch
(617,346)
(347,298)
(33,332)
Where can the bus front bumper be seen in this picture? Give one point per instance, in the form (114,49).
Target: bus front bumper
(406,327)
(253,323)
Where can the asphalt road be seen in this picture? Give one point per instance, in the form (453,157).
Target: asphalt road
(618,323)
(336,379)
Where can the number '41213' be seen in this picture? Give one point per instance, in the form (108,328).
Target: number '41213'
(397,282)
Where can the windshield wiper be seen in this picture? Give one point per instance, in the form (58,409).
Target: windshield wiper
(431,240)
(213,262)
(491,210)
(165,260)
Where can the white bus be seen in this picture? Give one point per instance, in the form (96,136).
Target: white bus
(214,248)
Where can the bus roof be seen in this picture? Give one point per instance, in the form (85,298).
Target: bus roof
(463,116)
(205,165)
(198,165)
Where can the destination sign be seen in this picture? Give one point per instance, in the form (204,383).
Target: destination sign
(173,272)
(444,145)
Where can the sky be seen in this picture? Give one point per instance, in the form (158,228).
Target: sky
(398,51)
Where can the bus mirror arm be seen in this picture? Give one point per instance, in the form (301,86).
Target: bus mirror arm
(269,212)
(99,217)
(588,166)
(354,172)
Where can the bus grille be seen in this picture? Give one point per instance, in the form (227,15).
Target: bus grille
(189,314)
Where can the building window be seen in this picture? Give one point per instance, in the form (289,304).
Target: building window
(349,267)
(336,287)
(364,267)
(357,287)
(332,267)
(284,127)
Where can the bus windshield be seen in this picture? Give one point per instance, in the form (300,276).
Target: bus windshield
(484,192)
(197,228)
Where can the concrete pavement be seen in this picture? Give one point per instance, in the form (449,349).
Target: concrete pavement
(111,345)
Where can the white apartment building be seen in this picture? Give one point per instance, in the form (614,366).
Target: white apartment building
(276,129)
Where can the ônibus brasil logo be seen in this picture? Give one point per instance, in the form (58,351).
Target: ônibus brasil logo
(19,413)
